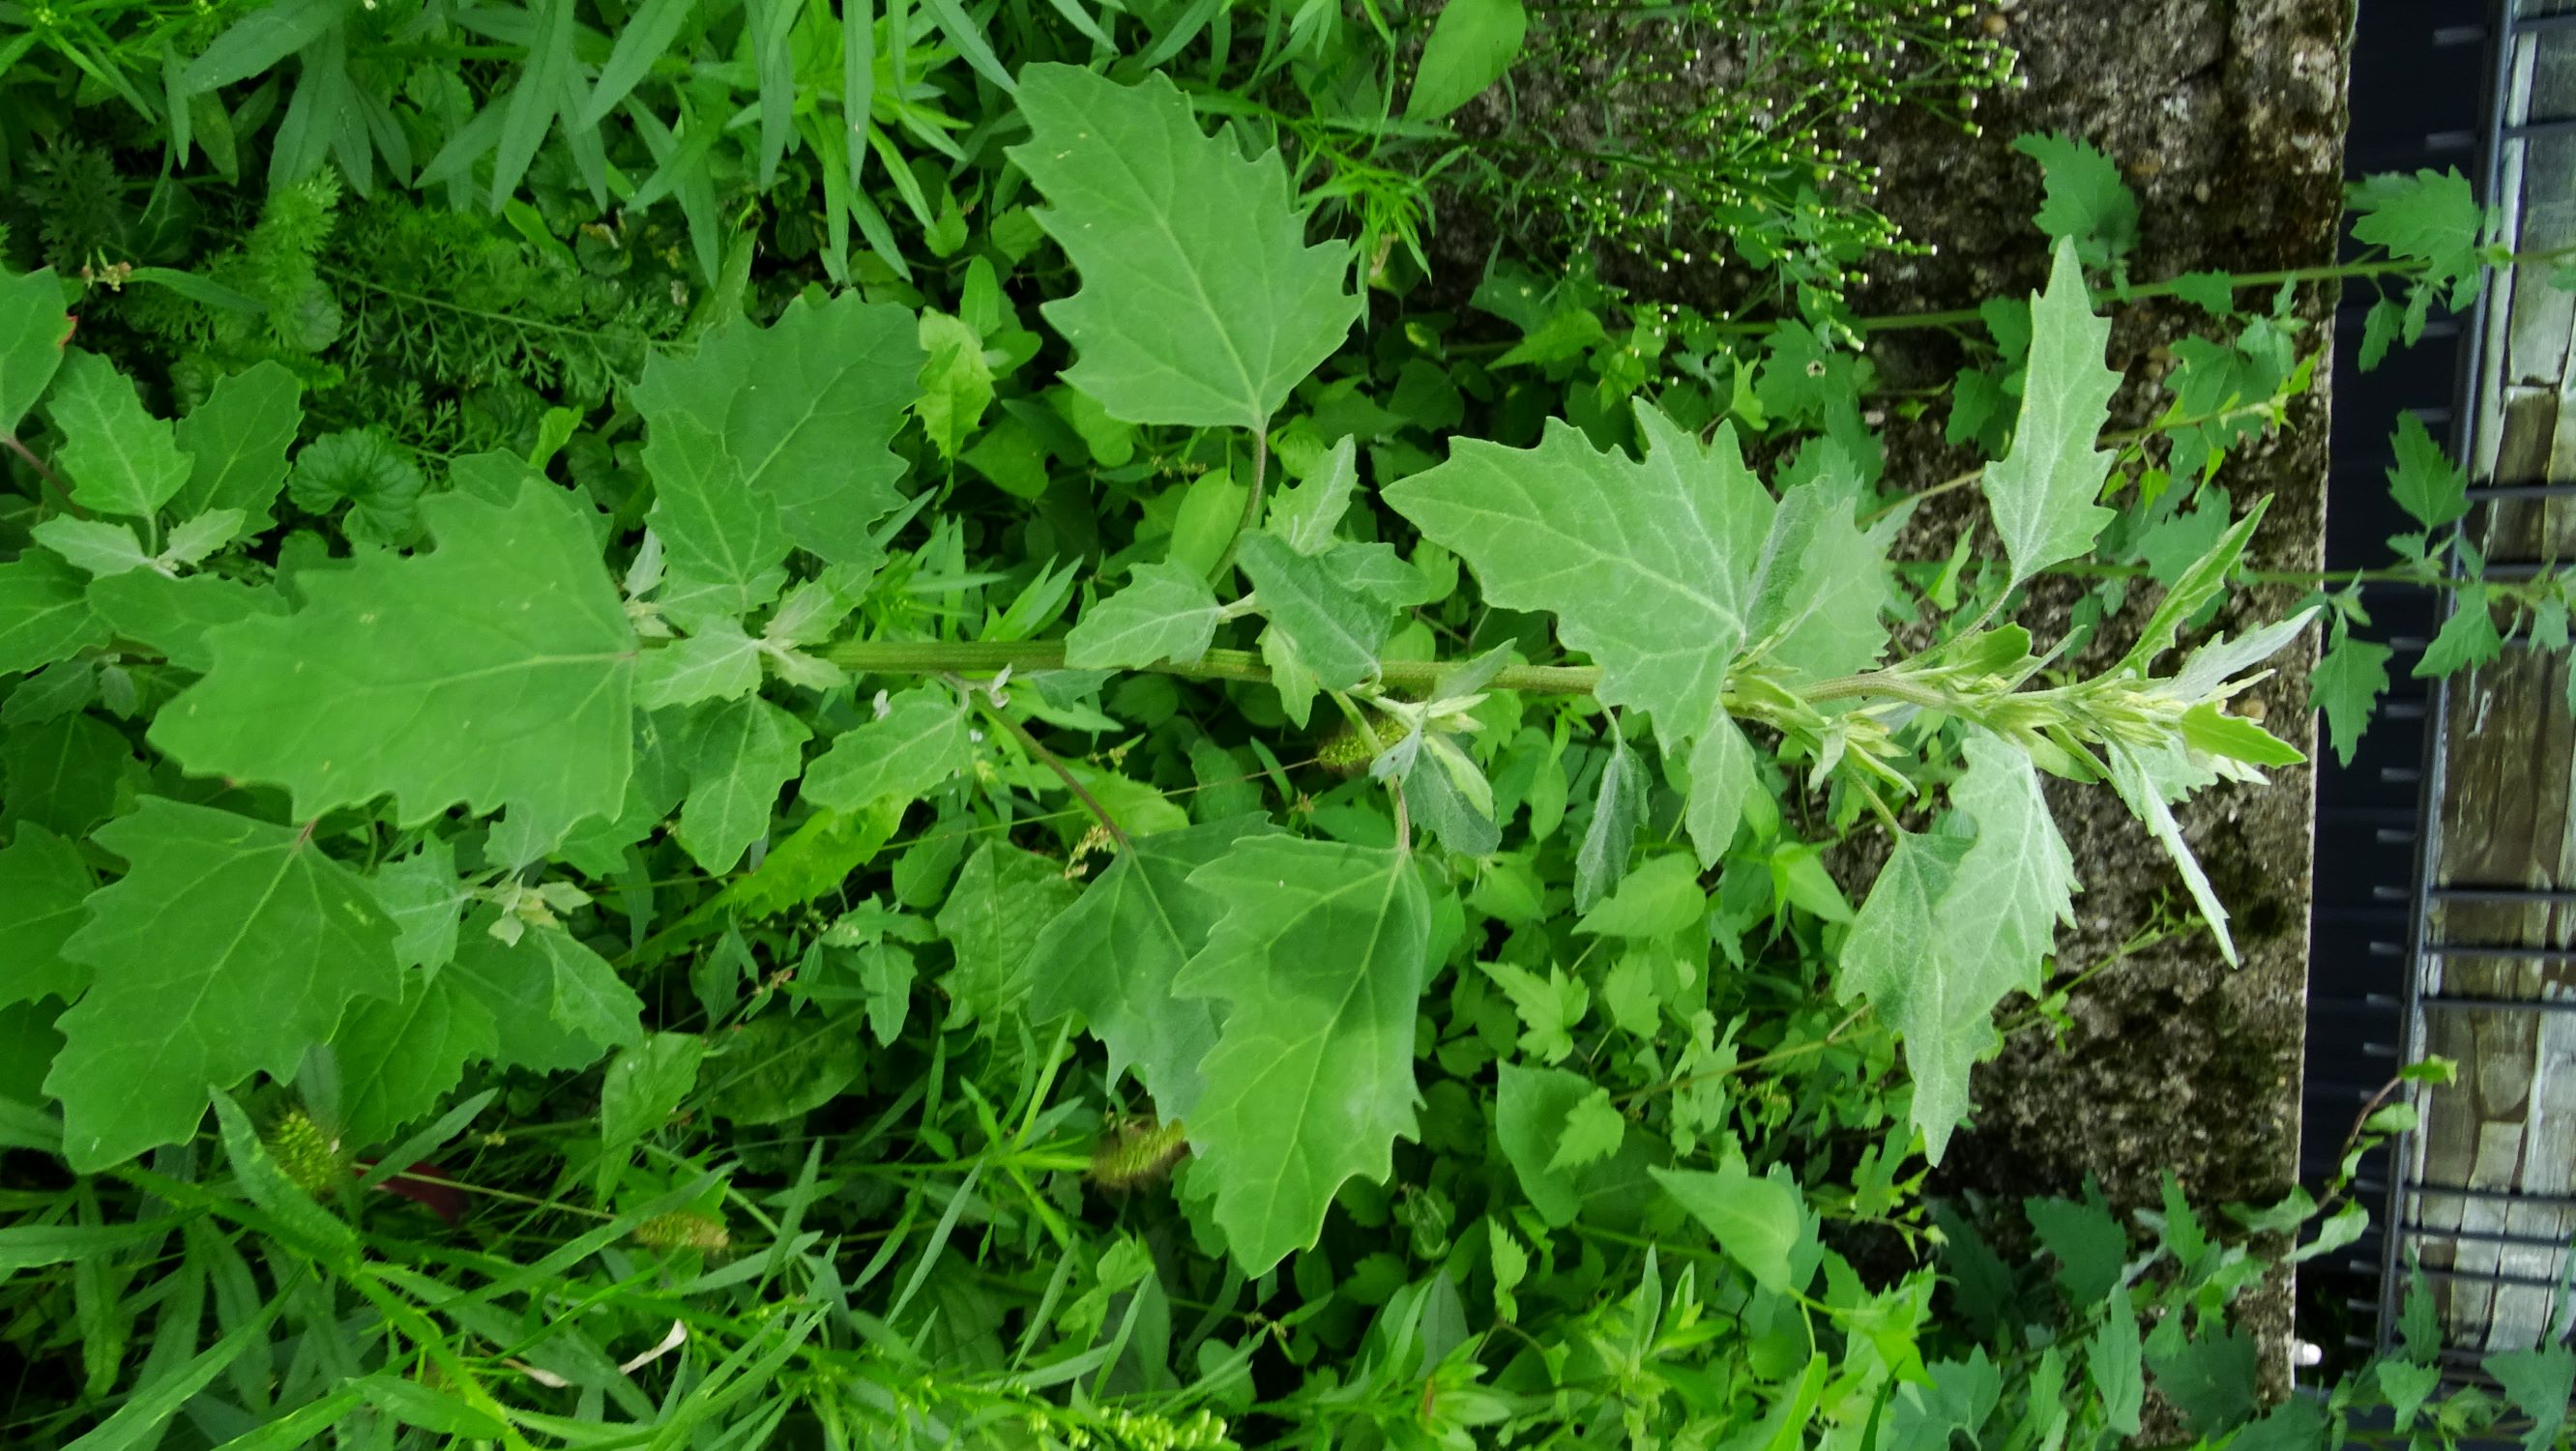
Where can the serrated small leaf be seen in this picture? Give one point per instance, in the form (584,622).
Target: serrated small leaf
(1592,1133)
(2539,1383)
(2087,205)
(200,535)
(120,459)
(1201,303)
(2090,1246)
(920,741)
(1953,925)
(717,662)
(2467,639)
(1337,631)
(94,545)
(2424,481)
(236,441)
(1306,514)
(1618,812)
(1762,1224)
(2347,684)
(2043,492)
(2115,1359)
(740,753)
(1165,612)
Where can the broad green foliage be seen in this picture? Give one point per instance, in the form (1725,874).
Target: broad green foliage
(1319,960)
(1955,922)
(1665,571)
(400,677)
(800,413)
(1202,302)
(1011,833)
(280,942)
(1114,956)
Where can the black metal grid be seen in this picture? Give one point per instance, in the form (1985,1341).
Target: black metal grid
(2422,953)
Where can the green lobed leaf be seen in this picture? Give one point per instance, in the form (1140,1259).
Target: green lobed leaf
(1618,812)
(956,382)
(2090,1246)
(44,614)
(1593,1132)
(719,535)
(1337,631)
(739,753)
(1165,612)
(2193,589)
(1764,1225)
(1648,566)
(67,774)
(1306,514)
(236,442)
(2539,1383)
(557,1005)
(2087,202)
(994,918)
(399,1058)
(2431,216)
(495,672)
(119,458)
(2115,1359)
(643,1087)
(43,885)
(2347,684)
(1114,955)
(806,410)
(2043,492)
(1320,958)
(92,545)
(281,941)
(1201,303)
(1953,925)
(2424,481)
(919,741)
(718,662)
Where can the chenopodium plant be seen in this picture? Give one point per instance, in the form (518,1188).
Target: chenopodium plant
(286,879)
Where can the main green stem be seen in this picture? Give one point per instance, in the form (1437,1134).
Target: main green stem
(968,657)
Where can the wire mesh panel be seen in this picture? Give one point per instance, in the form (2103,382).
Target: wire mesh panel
(2482,1198)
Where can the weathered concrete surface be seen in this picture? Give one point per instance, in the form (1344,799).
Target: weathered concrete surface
(2227,116)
